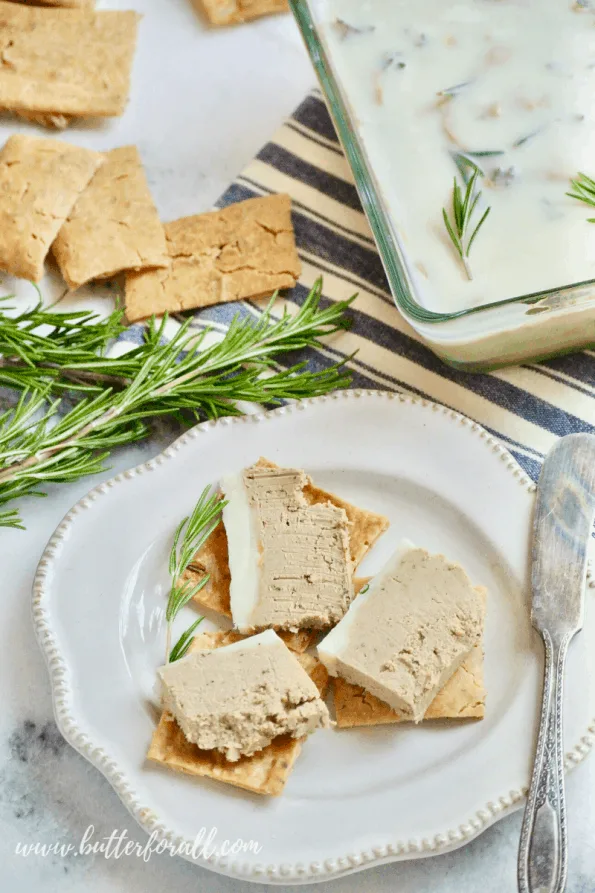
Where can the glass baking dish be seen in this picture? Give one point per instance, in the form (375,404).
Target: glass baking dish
(501,332)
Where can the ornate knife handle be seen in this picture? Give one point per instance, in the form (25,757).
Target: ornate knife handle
(543,849)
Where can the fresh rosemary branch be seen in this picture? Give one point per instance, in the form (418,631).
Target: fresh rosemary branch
(583,189)
(463,206)
(192,532)
(179,378)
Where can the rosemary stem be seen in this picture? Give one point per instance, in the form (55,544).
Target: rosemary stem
(77,376)
(467,266)
(14,470)
(167,642)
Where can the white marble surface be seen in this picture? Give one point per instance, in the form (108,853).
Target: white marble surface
(234,88)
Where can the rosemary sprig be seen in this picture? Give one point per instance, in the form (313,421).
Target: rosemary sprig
(181,378)
(183,643)
(463,206)
(583,189)
(191,533)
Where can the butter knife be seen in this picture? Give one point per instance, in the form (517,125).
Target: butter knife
(562,528)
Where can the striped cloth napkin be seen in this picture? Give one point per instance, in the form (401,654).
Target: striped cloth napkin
(527,406)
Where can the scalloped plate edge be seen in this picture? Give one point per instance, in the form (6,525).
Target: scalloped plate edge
(147,818)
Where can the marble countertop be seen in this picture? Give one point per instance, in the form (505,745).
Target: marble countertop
(48,793)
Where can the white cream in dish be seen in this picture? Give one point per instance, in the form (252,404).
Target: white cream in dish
(527,71)
(404,637)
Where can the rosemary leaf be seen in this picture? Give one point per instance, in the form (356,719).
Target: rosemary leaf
(455,89)
(345,29)
(183,643)
(583,189)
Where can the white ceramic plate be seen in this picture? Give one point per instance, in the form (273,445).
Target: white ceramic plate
(356,797)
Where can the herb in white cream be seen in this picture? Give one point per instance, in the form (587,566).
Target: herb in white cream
(463,206)
(583,189)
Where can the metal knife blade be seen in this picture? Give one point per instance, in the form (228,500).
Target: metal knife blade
(562,529)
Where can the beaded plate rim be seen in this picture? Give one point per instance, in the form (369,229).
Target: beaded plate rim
(148,819)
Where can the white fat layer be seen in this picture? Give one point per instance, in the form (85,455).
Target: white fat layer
(268,637)
(335,643)
(242,545)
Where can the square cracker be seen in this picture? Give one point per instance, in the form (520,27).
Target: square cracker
(114,224)
(265,772)
(40,180)
(246,250)
(213,558)
(73,4)
(234,12)
(463,697)
(65,61)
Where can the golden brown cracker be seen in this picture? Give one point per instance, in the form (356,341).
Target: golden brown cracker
(463,697)
(246,250)
(265,772)
(65,61)
(235,12)
(72,4)
(40,180)
(114,224)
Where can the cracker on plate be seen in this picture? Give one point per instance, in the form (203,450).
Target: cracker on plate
(40,180)
(63,62)
(213,558)
(265,772)
(463,697)
(246,250)
(114,224)
(234,12)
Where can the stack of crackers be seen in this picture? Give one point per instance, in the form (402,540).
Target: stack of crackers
(95,213)
(267,771)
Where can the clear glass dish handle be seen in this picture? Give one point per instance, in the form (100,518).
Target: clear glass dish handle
(543,851)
